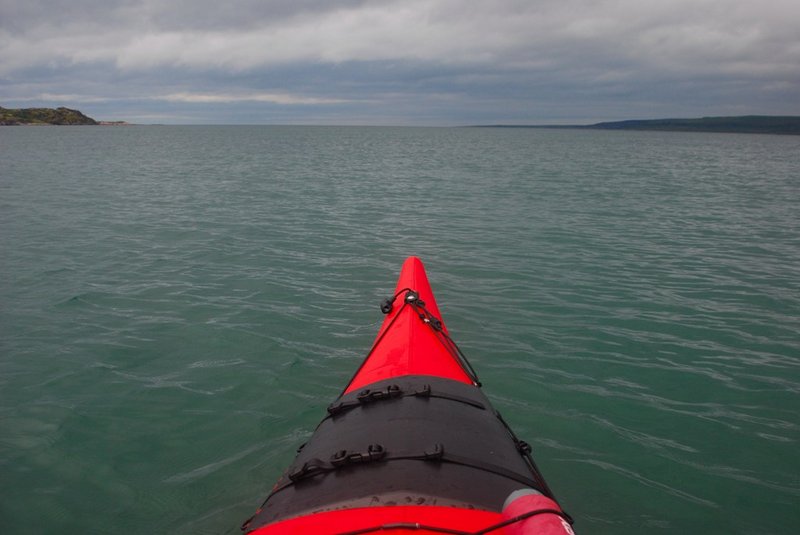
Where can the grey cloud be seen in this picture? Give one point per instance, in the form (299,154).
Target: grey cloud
(508,59)
(159,15)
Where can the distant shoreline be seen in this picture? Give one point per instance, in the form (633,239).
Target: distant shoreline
(745,124)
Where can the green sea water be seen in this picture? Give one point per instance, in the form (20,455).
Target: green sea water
(178,305)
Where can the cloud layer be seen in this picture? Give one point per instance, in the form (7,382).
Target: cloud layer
(410,61)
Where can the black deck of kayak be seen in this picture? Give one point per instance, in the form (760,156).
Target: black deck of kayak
(412,440)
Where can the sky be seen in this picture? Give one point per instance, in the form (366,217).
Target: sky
(401,62)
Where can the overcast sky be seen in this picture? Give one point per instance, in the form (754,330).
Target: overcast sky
(426,62)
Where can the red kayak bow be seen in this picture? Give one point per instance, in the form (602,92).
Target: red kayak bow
(413,340)
(412,445)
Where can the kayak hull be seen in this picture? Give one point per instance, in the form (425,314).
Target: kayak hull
(411,442)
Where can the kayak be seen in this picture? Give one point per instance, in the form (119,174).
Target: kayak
(412,445)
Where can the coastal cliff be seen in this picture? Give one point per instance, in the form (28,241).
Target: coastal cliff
(36,116)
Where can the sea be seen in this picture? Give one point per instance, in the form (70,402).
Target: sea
(179,304)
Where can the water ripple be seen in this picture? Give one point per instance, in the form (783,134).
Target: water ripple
(646,481)
(179,305)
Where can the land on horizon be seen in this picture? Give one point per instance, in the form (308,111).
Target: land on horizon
(742,124)
(745,124)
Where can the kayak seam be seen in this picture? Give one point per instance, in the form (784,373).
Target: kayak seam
(375,344)
(438,328)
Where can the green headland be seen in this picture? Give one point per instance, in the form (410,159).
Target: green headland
(33,116)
